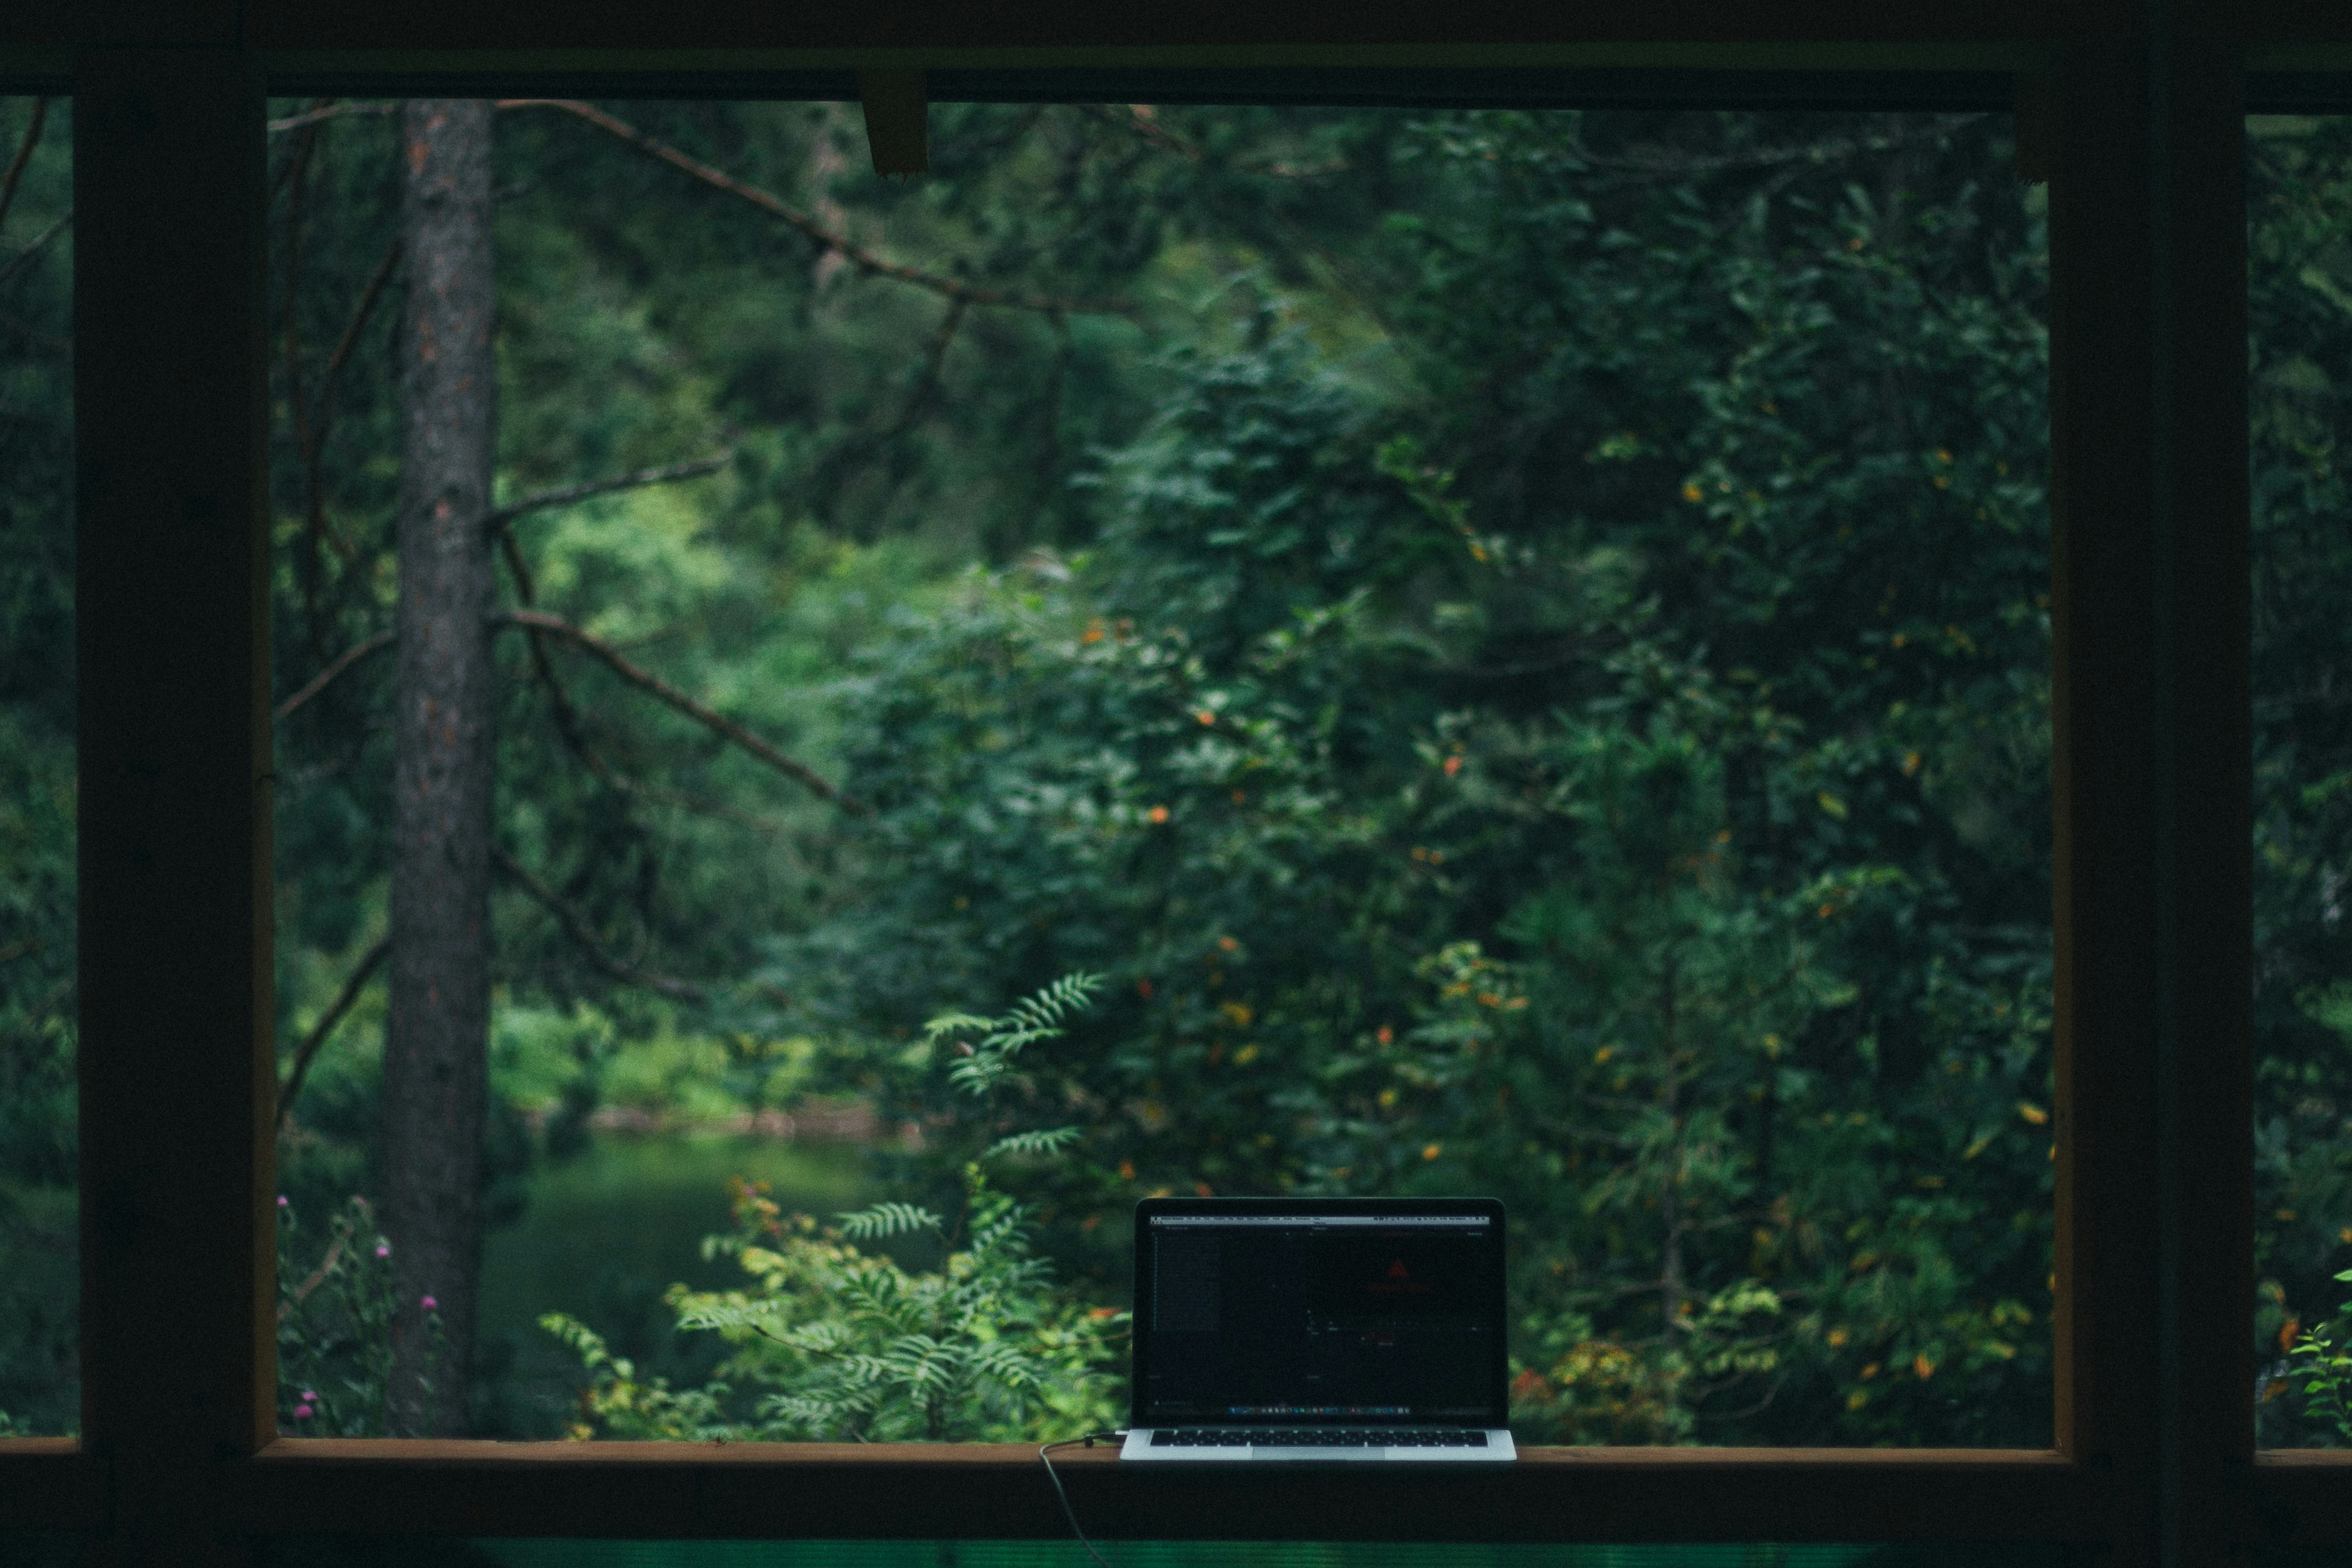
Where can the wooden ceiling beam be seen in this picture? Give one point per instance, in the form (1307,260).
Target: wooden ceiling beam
(1230,32)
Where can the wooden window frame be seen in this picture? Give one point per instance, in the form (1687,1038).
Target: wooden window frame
(2138,110)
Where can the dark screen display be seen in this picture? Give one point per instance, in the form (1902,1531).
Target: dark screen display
(1323,1317)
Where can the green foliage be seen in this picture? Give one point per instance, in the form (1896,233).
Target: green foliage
(2299,196)
(2320,1362)
(1648,838)
(1591,562)
(39,1383)
(832,1343)
(1522,658)
(334,1325)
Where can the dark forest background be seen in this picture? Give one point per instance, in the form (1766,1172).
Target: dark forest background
(1515,642)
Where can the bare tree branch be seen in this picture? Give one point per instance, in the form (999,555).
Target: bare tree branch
(1648,159)
(359,312)
(312,438)
(1143,120)
(767,828)
(775,206)
(575,925)
(567,717)
(328,111)
(24,156)
(920,393)
(288,1306)
(34,246)
(1049,407)
(308,562)
(48,341)
(344,661)
(928,383)
(646,681)
(539,501)
(575,734)
(308,1052)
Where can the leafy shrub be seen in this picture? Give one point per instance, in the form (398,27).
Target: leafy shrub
(1679,956)
(2319,1359)
(834,1342)
(334,1325)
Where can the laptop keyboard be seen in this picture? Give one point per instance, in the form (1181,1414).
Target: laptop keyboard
(1317,1437)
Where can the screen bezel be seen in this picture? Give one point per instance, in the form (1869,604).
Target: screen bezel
(1139,1366)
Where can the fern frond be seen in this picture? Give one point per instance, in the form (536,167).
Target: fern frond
(995,1217)
(814,1410)
(887,1219)
(720,1314)
(1047,1008)
(977,1073)
(879,1308)
(1030,1020)
(1050,1141)
(826,1336)
(582,1341)
(1007,1364)
(915,1361)
(990,1233)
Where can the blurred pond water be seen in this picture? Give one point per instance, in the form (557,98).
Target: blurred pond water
(603,1233)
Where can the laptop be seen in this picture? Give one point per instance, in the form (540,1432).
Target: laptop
(1322,1329)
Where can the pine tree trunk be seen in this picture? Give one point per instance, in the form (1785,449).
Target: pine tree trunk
(436,1045)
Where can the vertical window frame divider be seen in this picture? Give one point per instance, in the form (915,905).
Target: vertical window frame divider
(2154,1458)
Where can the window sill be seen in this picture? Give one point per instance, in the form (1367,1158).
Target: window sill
(2303,1496)
(645,1490)
(49,1483)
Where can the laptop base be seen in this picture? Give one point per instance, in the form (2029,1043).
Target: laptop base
(1140,1444)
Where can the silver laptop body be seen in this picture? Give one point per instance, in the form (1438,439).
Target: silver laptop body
(1328,1330)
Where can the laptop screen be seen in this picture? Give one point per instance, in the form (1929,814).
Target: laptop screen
(1324,1310)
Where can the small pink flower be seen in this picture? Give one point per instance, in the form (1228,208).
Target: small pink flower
(429,1304)
(383,1249)
(281,1200)
(302,1412)
(310,1394)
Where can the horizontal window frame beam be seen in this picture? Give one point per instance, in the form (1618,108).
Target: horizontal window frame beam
(2297,1497)
(1983,80)
(999,1492)
(2295,80)
(355,26)
(51,1483)
(1263,32)
(2302,1497)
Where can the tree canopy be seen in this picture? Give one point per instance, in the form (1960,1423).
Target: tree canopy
(1517,644)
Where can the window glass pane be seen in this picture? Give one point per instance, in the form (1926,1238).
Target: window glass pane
(2299,195)
(1508,649)
(39,1386)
